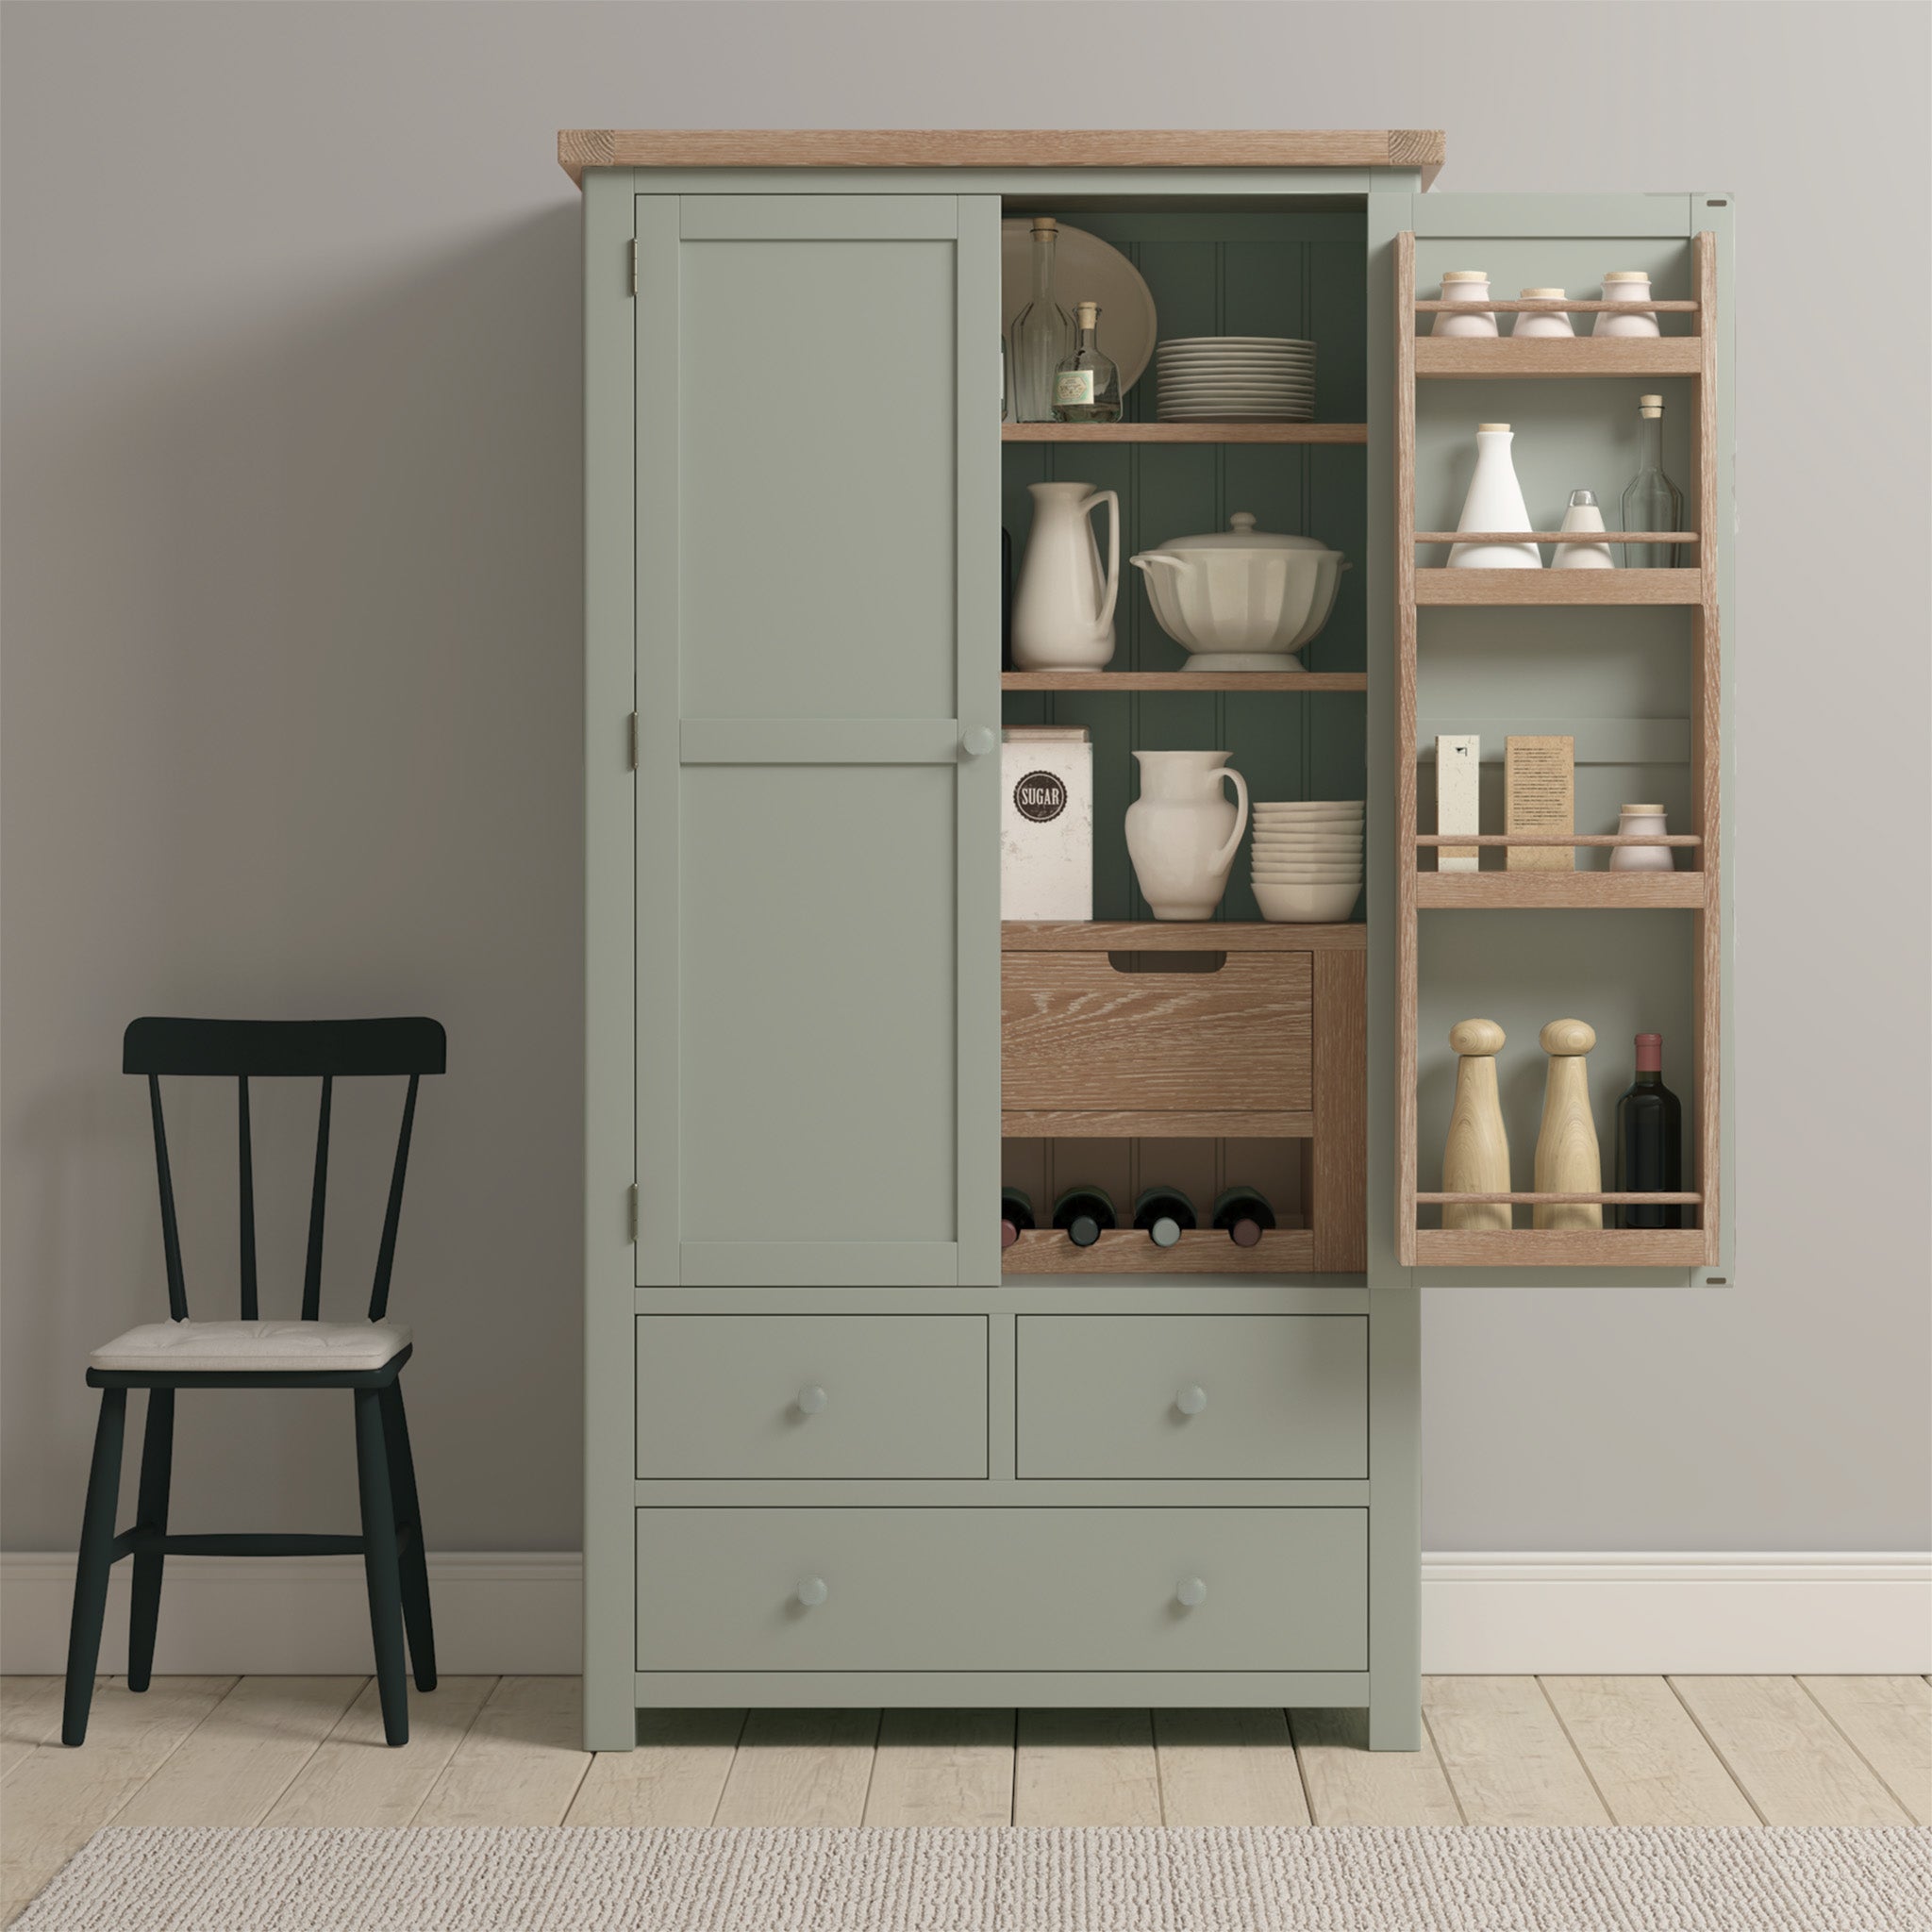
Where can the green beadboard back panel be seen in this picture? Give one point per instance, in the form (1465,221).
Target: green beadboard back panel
(1264,272)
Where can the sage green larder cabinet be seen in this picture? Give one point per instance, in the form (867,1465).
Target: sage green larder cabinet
(840,1447)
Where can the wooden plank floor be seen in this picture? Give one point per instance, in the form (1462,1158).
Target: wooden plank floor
(503,1751)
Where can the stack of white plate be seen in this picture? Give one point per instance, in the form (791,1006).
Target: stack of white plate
(1236,379)
(1307,858)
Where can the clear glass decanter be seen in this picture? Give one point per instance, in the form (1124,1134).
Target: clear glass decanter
(1087,386)
(1652,501)
(1042,334)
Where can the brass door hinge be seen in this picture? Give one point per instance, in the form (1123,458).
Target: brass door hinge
(632,730)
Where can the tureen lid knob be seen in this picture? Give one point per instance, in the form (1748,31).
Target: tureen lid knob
(1242,521)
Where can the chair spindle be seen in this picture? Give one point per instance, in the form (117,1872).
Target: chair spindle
(311,1279)
(171,1227)
(385,1254)
(251,1310)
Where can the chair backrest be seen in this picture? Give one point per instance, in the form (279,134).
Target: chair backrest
(243,1050)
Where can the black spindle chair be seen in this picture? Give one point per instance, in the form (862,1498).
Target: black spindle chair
(365,1357)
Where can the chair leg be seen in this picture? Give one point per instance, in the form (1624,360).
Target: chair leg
(415,1562)
(380,1566)
(96,1560)
(156,1463)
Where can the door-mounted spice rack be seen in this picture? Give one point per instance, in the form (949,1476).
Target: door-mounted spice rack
(1694,585)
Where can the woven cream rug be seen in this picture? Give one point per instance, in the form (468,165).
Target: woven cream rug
(1246,1879)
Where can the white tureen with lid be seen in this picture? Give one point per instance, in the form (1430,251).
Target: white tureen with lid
(1241,599)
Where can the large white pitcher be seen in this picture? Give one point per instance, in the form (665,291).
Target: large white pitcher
(1182,831)
(1063,607)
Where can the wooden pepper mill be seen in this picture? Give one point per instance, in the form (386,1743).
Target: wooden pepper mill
(1567,1160)
(1475,1158)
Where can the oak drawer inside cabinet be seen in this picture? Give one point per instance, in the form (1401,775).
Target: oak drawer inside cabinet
(1077,1034)
(776,1396)
(1002,1589)
(1193,1395)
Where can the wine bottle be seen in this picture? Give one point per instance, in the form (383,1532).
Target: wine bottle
(1016,1215)
(1245,1214)
(1165,1214)
(1650,1141)
(1086,1213)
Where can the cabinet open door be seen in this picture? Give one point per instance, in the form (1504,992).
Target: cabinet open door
(816,938)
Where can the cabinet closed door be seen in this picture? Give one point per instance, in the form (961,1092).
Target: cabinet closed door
(818,701)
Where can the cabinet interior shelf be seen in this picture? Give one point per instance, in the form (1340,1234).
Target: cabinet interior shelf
(1532,1200)
(1184,432)
(1553,305)
(1184,680)
(1446,585)
(1556,535)
(1486,358)
(1473,892)
(1545,1247)
(1182,935)
(1556,838)
(1128,1251)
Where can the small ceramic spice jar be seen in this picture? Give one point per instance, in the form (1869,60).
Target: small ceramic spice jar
(1543,325)
(1629,284)
(1470,285)
(1633,822)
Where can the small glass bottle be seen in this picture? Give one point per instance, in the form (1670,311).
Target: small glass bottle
(1043,335)
(1087,386)
(1652,501)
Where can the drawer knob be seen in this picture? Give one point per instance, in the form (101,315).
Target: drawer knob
(812,1591)
(811,1398)
(977,739)
(1192,1400)
(1191,1592)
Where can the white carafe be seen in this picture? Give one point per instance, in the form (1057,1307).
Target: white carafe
(1183,830)
(1064,603)
(1585,513)
(1494,502)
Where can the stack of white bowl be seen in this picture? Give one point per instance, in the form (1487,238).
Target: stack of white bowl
(1237,379)
(1307,858)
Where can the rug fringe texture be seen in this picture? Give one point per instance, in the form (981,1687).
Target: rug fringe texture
(1127,1879)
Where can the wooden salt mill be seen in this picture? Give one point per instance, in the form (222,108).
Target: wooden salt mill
(1567,1160)
(1475,1158)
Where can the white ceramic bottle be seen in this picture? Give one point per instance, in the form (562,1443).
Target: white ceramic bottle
(1635,821)
(1544,324)
(1585,513)
(1494,502)
(1470,285)
(1182,831)
(1629,284)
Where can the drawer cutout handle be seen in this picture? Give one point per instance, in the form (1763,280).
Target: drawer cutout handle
(1191,1592)
(812,1591)
(810,1399)
(1167,962)
(1192,1400)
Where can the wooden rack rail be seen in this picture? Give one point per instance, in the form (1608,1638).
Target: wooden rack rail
(1692,585)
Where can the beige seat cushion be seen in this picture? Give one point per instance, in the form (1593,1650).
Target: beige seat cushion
(250,1348)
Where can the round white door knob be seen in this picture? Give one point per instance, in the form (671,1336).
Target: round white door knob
(978,740)
(812,1591)
(1192,1400)
(811,1398)
(1191,1592)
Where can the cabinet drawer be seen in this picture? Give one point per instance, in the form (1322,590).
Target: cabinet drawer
(1272,1395)
(1077,1034)
(1015,1589)
(811,1395)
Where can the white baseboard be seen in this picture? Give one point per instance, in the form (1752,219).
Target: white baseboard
(1608,1613)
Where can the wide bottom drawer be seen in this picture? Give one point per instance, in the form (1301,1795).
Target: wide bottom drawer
(1017,1590)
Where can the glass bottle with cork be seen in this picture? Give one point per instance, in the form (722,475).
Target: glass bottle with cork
(1087,386)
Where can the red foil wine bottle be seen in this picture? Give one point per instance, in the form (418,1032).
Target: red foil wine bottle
(1650,1141)
(1016,1215)
(1245,1216)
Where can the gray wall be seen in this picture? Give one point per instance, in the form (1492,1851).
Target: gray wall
(291,684)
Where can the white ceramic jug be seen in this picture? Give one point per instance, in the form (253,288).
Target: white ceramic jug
(1064,606)
(1494,502)
(1182,831)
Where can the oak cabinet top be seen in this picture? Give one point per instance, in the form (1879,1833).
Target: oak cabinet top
(578,148)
